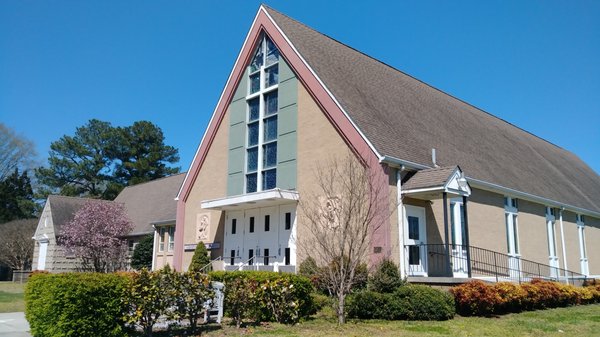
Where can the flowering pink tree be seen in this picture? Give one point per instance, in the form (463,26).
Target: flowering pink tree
(95,235)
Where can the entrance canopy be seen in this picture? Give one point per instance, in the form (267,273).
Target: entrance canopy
(268,198)
(430,183)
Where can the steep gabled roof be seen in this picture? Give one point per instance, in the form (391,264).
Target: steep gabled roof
(405,118)
(151,202)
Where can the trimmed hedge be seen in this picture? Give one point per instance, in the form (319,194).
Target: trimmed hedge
(281,297)
(75,304)
(477,298)
(409,302)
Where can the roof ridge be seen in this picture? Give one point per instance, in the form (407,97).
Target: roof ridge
(421,81)
(154,180)
(77,198)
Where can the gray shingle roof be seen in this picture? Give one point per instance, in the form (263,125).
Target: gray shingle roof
(151,202)
(64,209)
(433,177)
(405,118)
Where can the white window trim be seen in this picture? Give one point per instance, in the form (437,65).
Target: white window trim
(161,239)
(261,117)
(583,257)
(171,240)
(511,219)
(551,233)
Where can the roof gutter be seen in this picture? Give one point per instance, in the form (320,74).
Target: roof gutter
(395,162)
(549,202)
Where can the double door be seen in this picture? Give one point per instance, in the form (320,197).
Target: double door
(260,238)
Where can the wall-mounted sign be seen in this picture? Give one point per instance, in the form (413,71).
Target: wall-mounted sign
(210,245)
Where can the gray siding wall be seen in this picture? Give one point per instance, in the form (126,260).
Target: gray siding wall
(287,124)
(237,139)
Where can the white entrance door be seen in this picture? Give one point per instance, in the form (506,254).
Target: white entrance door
(457,230)
(251,249)
(551,229)
(41,265)
(268,238)
(287,236)
(233,245)
(416,238)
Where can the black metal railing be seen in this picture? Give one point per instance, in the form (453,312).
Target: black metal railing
(440,260)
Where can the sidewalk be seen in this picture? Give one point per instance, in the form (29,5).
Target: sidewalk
(14,324)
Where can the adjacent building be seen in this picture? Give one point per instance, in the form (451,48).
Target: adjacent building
(150,206)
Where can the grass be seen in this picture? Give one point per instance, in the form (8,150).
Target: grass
(572,321)
(11,297)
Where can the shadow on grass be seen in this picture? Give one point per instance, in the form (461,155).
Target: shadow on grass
(183,331)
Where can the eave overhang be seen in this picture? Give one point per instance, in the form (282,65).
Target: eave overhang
(268,198)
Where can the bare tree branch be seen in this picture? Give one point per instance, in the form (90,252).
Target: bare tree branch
(341,215)
(16,244)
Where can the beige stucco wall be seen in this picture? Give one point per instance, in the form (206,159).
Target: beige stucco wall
(211,183)
(533,234)
(571,238)
(318,141)
(592,238)
(486,220)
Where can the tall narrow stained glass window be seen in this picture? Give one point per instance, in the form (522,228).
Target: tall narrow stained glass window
(261,121)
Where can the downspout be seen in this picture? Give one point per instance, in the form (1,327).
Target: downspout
(154,248)
(400,213)
(562,241)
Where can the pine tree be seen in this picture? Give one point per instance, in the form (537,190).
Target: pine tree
(200,258)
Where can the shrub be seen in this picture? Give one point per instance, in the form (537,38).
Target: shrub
(386,278)
(511,297)
(75,304)
(149,295)
(309,269)
(475,298)
(142,253)
(267,303)
(361,277)
(594,290)
(319,301)
(409,302)
(426,303)
(279,297)
(241,298)
(200,258)
(192,290)
(367,305)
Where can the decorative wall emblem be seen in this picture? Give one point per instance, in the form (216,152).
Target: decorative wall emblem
(331,211)
(202,227)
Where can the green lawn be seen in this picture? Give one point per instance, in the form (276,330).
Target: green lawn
(573,321)
(11,297)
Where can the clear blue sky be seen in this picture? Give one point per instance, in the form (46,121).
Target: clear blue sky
(535,64)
